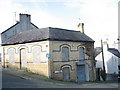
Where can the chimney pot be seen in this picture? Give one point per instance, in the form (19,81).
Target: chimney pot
(80,27)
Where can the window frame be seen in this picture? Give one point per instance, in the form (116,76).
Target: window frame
(82,57)
(64,54)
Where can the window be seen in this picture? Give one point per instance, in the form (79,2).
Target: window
(82,54)
(36,53)
(11,56)
(65,54)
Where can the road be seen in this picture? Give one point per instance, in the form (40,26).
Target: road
(10,80)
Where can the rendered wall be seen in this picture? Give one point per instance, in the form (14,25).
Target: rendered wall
(11,57)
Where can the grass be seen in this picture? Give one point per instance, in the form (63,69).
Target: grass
(36,74)
(24,71)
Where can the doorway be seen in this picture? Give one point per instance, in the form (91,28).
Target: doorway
(66,74)
(81,73)
(23,58)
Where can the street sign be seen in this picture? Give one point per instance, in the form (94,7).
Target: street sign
(48,55)
(58,71)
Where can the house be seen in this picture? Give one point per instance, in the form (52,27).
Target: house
(23,24)
(111,60)
(53,52)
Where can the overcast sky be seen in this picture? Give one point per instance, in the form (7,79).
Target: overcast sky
(99,16)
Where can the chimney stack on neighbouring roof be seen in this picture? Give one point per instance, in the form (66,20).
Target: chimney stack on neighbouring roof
(25,17)
(80,27)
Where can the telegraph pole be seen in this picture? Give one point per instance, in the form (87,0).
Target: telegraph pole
(104,71)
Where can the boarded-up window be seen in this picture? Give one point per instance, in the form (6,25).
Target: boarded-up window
(36,53)
(65,53)
(82,54)
(11,54)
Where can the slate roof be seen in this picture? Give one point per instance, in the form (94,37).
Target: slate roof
(17,24)
(48,33)
(114,51)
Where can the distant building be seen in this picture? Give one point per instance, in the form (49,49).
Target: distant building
(22,25)
(111,59)
(53,52)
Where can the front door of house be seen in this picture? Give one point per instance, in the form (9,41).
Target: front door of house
(81,73)
(66,74)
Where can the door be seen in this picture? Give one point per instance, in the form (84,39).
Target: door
(66,74)
(23,58)
(81,73)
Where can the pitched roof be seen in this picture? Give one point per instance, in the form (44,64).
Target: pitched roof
(114,51)
(17,24)
(48,33)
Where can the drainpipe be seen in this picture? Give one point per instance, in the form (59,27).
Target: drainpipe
(93,64)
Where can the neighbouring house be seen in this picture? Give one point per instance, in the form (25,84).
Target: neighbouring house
(53,52)
(22,25)
(111,59)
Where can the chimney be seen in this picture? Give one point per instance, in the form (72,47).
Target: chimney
(80,27)
(25,17)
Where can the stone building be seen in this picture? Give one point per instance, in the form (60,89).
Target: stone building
(53,52)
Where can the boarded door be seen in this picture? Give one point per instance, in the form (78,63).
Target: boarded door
(66,74)
(23,58)
(81,73)
(65,54)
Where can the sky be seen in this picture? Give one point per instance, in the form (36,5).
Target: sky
(100,17)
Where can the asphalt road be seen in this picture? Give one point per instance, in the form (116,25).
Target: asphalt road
(10,80)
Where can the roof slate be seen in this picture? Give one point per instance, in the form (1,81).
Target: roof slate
(48,33)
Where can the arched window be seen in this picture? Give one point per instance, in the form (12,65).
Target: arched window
(11,56)
(81,53)
(65,54)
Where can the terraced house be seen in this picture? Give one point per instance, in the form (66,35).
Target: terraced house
(53,52)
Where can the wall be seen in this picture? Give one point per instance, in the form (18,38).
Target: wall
(34,56)
(58,64)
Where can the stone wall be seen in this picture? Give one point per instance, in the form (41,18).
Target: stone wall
(58,64)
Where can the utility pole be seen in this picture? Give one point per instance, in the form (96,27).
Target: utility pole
(104,71)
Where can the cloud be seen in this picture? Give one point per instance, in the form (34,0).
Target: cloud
(100,18)
(40,17)
(7,9)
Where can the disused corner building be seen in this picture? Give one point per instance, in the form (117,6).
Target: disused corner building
(53,52)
